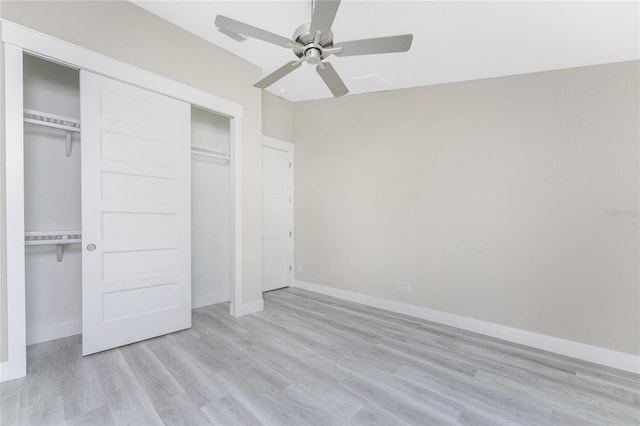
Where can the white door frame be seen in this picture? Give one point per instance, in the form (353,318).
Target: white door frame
(288,147)
(17,40)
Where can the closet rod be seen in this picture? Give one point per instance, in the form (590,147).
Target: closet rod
(200,150)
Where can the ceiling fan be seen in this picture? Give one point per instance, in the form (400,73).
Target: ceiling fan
(313,43)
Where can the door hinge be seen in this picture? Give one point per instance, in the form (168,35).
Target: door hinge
(289,164)
(290,233)
(290,268)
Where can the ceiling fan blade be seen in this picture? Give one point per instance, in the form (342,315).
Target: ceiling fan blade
(228,25)
(372,46)
(237,37)
(278,74)
(332,79)
(324,12)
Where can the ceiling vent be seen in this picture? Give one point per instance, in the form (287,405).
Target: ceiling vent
(368,83)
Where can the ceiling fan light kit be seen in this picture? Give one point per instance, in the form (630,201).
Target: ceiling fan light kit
(313,43)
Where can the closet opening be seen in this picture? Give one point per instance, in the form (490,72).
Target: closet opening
(52,206)
(211,219)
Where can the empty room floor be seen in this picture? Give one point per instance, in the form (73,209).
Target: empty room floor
(310,359)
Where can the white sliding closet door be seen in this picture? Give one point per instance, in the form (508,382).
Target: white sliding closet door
(136,226)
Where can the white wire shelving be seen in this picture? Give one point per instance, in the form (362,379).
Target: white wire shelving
(66,124)
(207,152)
(59,238)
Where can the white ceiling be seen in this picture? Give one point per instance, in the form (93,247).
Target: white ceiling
(453,41)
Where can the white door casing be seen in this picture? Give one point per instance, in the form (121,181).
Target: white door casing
(136,223)
(277,214)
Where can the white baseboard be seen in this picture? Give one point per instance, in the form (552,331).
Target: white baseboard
(57,331)
(52,332)
(12,371)
(247,308)
(4,371)
(582,351)
(209,299)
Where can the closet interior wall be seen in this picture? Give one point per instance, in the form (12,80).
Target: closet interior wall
(210,208)
(52,203)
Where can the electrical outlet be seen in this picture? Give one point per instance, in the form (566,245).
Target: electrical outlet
(403,286)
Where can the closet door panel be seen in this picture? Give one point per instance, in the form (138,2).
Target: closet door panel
(135,214)
(131,149)
(139,231)
(124,266)
(136,188)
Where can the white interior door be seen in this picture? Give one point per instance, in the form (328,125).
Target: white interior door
(277,214)
(136,229)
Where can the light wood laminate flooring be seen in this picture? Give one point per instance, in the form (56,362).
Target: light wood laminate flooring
(310,359)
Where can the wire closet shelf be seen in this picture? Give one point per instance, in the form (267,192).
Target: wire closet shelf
(66,124)
(59,238)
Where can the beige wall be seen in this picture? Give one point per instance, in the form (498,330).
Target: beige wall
(128,33)
(512,200)
(277,117)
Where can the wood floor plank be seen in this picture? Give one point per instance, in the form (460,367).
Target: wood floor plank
(371,415)
(98,417)
(229,411)
(202,388)
(311,359)
(490,400)
(400,407)
(43,362)
(154,378)
(263,402)
(10,393)
(180,409)
(42,412)
(81,390)
(303,366)
(311,372)
(127,400)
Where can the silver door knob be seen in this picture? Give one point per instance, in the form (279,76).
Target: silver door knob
(91,247)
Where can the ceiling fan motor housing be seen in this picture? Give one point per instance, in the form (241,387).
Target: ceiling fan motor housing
(313,52)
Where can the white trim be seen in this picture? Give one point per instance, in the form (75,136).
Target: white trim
(4,371)
(17,39)
(69,54)
(52,332)
(278,144)
(14,210)
(288,147)
(236,216)
(209,299)
(247,308)
(582,351)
